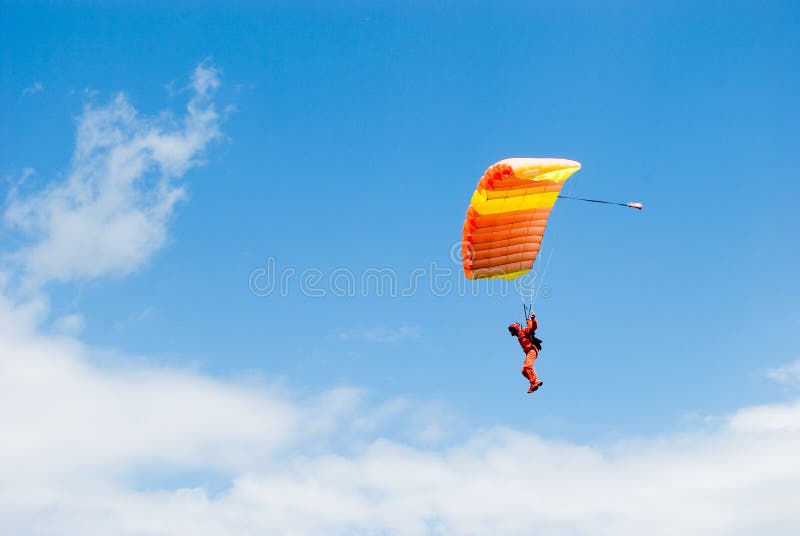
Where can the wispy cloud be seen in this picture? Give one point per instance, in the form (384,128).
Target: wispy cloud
(70,324)
(134,318)
(788,374)
(382,334)
(111,213)
(36,87)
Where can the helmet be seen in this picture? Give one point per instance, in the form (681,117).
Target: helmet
(513,329)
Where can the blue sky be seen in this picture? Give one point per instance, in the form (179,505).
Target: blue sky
(347,136)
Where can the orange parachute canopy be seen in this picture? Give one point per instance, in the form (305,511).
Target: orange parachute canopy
(506,218)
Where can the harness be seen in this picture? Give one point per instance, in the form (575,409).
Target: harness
(536,341)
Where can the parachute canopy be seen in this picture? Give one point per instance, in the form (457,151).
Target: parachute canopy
(506,218)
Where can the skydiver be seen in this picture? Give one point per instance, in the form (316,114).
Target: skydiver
(531,345)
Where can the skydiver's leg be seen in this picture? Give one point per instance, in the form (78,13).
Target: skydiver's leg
(530,357)
(529,372)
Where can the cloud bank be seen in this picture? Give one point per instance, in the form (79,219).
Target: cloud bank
(81,439)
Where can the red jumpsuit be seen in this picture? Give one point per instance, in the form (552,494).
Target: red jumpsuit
(526,341)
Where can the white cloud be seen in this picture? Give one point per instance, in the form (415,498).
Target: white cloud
(70,417)
(776,417)
(787,374)
(381,334)
(36,87)
(111,213)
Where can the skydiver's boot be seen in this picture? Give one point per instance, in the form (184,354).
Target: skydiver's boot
(531,376)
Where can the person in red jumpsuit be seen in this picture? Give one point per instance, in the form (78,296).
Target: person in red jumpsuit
(531,345)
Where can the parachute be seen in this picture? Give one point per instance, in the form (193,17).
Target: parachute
(508,213)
